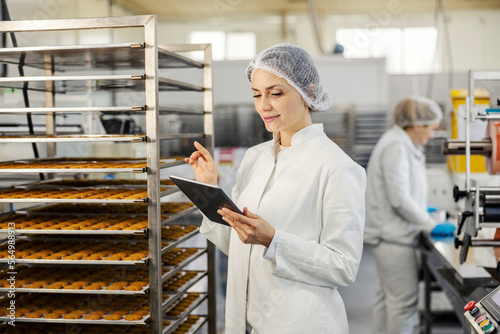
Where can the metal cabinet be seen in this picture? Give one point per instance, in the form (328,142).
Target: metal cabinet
(111,247)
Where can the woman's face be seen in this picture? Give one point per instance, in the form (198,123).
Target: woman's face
(422,133)
(279,105)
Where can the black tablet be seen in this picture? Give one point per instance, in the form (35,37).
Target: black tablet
(207,197)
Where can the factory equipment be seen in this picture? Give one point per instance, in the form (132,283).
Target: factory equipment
(482,203)
(484,316)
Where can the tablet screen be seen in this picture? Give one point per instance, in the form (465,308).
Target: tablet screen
(207,197)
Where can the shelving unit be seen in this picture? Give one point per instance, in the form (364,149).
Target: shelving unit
(99,215)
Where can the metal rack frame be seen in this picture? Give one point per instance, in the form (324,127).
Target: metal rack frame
(151,83)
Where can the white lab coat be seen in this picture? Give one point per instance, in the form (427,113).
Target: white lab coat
(396,194)
(316,202)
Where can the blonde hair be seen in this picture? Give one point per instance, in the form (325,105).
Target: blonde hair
(277,142)
(416,111)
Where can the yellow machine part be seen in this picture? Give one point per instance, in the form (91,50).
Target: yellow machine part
(456,163)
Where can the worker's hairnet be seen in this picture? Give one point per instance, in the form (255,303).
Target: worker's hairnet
(417,110)
(296,66)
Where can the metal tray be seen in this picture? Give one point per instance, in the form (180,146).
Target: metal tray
(68,110)
(78,83)
(142,232)
(102,291)
(72,138)
(98,56)
(52,209)
(176,295)
(194,328)
(174,270)
(143,261)
(168,191)
(188,310)
(59,183)
(176,216)
(60,328)
(175,243)
(143,321)
(75,166)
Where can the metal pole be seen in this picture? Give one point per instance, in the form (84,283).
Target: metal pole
(153,160)
(209,143)
(468,107)
(313,13)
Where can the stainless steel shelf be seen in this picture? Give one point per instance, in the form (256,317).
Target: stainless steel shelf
(93,138)
(176,295)
(174,270)
(72,138)
(194,327)
(77,84)
(121,109)
(188,310)
(53,200)
(177,242)
(179,111)
(98,56)
(102,291)
(181,136)
(143,321)
(176,216)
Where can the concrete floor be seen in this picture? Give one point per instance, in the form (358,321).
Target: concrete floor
(360,297)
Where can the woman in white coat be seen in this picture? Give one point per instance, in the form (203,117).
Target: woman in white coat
(301,233)
(396,211)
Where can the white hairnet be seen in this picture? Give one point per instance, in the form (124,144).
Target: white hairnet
(296,66)
(417,110)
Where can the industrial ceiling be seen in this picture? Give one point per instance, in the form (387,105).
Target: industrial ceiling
(191,10)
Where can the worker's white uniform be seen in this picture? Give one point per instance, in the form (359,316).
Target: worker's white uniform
(313,194)
(396,210)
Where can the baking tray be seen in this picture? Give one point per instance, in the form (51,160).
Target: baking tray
(188,310)
(72,138)
(93,184)
(175,243)
(167,191)
(98,56)
(175,269)
(176,295)
(63,329)
(68,110)
(194,327)
(143,261)
(137,208)
(143,321)
(141,232)
(75,166)
(79,83)
(176,216)
(103,291)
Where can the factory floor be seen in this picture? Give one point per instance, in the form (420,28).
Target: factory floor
(359,299)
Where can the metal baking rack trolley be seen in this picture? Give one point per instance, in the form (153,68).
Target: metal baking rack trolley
(105,253)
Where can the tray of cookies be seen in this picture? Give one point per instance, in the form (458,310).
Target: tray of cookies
(182,281)
(76,251)
(80,329)
(84,165)
(177,285)
(173,270)
(189,325)
(72,195)
(109,280)
(71,138)
(181,256)
(79,309)
(55,224)
(170,209)
(185,305)
(96,184)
